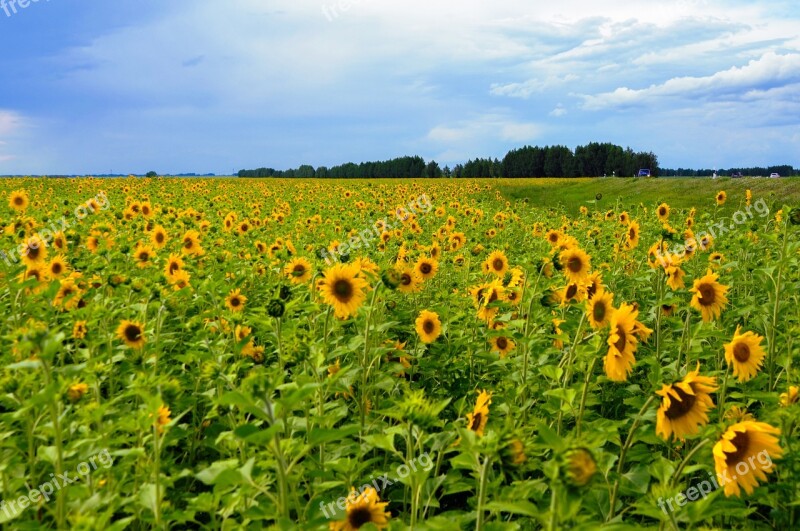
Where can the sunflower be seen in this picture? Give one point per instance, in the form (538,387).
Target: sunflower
(484,295)
(163,418)
(789,397)
(745,353)
(131,333)
(68,295)
(158,237)
(502,345)
(706,242)
(426,267)
(573,292)
(675,277)
(33,251)
(553,237)
(428,326)
(143,254)
(180,279)
(709,296)
(632,236)
(580,467)
(496,263)
(740,455)
(599,308)
(76,391)
(343,289)
(622,343)
(235,301)
(60,241)
(364,508)
(18,200)
(174,264)
(476,421)
(721,198)
(298,270)
(190,243)
(576,264)
(410,280)
(663,212)
(685,405)
(457,241)
(79,330)
(57,267)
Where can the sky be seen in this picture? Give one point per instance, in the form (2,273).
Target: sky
(175,86)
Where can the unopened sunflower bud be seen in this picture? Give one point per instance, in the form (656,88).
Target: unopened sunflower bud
(579,466)
(276,308)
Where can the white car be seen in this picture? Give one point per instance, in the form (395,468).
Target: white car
(773,175)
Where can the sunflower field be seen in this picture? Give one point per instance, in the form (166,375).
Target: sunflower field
(410,354)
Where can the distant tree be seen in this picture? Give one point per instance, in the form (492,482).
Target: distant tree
(151,174)
(304,172)
(432,170)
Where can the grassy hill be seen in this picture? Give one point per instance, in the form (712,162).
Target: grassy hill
(571,194)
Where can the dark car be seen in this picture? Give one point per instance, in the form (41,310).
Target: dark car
(737,175)
(644,172)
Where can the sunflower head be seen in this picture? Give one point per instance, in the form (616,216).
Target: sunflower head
(579,467)
(709,296)
(235,301)
(496,263)
(131,333)
(343,288)
(476,421)
(744,455)
(363,508)
(685,405)
(428,326)
(745,354)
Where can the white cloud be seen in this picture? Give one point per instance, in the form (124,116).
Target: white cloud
(770,70)
(525,89)
(9,122)
(558,111)
(489,126)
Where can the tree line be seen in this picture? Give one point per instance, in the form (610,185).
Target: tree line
(784,170)
(592,160)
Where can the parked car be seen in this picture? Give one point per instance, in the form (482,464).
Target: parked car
(773,175)
(737,175)
(644,172)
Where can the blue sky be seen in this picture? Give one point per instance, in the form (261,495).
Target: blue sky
(90,86)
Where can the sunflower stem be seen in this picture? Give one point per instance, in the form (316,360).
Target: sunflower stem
(55,415)
(365,361)
(677,475)
(552,523)
(280,343)
(584,393)
(775,308)
(568,370)
(622,455)
(484,474)
(157,473)
(722,394)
